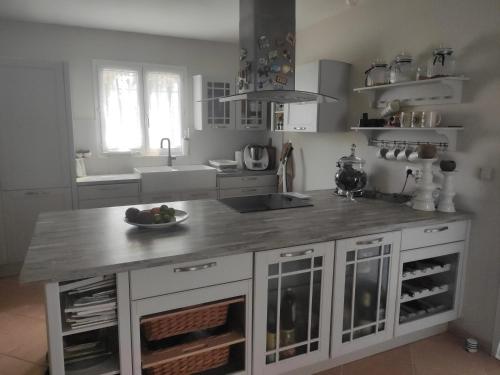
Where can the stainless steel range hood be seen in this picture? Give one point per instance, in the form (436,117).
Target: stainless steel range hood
(267,54)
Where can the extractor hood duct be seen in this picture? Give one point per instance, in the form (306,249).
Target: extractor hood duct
(267,54)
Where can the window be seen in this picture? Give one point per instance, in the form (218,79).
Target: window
(139,105)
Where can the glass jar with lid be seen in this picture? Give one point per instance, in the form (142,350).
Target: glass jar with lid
(350,177)
(402,69)
(377,74)
(442,63)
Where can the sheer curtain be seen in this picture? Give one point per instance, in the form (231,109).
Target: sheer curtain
(163,97)
(120,110)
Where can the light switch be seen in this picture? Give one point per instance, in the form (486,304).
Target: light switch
(486,173)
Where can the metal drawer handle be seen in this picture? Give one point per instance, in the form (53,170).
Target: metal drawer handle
(297,253)
(249,178)
(370,242)
(299,127)
(196,268)
(435,230)
(248,190)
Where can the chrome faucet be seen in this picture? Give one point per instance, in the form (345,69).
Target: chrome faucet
(170,157)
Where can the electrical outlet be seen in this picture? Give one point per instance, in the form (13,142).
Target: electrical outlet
(416,172)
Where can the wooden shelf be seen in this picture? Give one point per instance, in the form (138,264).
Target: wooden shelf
(109,366)
(423,135)
(425,293)
(68,331)
(154,358)
(412,83)
(443,90)
(426,272)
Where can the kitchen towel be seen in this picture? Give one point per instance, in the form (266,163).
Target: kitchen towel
(286,169)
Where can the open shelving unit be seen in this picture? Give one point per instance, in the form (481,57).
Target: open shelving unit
(434,91)
(443,90)
(88,326)
(446,135)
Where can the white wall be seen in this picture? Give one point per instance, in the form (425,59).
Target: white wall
(79,46)
(381,29)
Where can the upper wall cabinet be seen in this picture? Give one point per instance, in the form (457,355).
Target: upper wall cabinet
(327,77)
(251,115)
(212,114)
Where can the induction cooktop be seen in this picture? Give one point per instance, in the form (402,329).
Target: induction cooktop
(265,202)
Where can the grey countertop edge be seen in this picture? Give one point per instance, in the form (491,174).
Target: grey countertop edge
(66,275)
(121,178)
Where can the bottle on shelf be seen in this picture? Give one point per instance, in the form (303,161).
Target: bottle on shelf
(287,322)
(271,333)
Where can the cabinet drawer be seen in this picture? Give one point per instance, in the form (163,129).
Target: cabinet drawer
(433,235)
(242,192)
(202,194)
(247,181)
(108,191)
(172,278)
(108,202)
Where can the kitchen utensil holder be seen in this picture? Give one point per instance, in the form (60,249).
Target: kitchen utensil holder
(193,318)
(441,146)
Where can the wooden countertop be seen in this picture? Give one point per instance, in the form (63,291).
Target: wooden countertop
(74,244)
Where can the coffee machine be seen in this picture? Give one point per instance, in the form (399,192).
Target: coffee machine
(255,157)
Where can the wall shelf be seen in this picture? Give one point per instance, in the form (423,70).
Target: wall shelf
(447,135)
(444,90)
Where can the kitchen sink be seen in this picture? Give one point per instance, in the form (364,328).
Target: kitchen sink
(176,178)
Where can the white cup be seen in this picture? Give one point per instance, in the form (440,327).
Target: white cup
(382,152)
(403,155)
(413,156)
(393,153)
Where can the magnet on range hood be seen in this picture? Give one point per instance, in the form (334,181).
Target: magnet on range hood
(267,54)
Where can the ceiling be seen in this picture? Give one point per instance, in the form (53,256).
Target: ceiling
(199,19)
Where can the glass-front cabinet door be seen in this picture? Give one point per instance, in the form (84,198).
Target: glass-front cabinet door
(292,307)
(366,273)
(251,115)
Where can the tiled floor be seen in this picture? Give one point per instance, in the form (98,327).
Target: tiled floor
(23,345)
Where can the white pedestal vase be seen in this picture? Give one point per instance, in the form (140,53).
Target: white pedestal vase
(424,199)
(447,193)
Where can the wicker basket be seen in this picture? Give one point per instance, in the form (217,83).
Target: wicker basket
(201,355)
(193,318)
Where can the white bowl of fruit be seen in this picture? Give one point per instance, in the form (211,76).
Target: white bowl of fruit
(156,217)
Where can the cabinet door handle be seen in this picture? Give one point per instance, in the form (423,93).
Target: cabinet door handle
(297,253)
(196,268)
(435,230)
(370,242)
(299,127)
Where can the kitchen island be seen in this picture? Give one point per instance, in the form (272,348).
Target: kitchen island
(220,254)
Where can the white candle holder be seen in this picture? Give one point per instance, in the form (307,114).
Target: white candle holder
(447,192)
(424,199)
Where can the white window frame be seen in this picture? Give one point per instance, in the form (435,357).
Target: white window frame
(143,69)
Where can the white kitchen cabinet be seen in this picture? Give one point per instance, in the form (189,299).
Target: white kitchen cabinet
(237,327)
(198,194)
(34,136)
(326,77)
(108,195)
(292,307)
(430,286)
(212,114)
(246,185)
(251,115)
(160,197)
(364,298)
(21,209)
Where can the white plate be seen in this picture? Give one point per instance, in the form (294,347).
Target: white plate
(180,216)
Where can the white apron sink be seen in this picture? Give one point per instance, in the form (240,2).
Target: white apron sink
(176,178)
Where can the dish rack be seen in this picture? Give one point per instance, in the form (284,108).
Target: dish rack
(190,340)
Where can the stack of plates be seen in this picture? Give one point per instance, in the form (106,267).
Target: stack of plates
(471,345)
(224,165)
